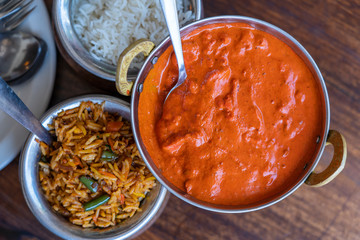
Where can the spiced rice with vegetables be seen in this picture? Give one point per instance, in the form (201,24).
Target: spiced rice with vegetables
(93,173)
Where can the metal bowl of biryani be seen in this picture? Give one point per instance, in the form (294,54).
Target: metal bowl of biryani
(91,34)
(91,183)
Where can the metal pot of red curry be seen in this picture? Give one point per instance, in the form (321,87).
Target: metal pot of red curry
(246,128)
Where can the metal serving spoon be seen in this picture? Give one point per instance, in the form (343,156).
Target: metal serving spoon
(11,104)
(172,22)
(21,54)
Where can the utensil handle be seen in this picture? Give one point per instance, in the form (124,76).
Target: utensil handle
(11,104)
(124,86)
(337,163)
(172,22)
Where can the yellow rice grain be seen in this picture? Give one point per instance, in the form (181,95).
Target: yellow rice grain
(81,139)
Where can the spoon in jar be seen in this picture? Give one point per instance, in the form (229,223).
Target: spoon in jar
(11,104)
(21,54)
(172,21)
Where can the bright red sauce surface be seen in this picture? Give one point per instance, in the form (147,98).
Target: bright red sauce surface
(242,126)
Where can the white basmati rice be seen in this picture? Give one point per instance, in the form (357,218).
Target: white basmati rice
(107,27)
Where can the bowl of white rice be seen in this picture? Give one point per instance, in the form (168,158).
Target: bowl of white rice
(91,34)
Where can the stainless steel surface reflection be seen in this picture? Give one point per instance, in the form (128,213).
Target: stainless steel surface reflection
(21,54)
(28,171)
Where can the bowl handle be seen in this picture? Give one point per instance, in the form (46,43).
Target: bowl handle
(122,84)
(336,165)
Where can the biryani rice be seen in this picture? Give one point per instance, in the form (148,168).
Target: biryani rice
(82,137)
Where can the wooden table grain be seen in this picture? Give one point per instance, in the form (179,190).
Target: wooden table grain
(330,31)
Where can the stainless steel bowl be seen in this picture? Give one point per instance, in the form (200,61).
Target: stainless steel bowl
(29,178)
(307,176)
(76,54)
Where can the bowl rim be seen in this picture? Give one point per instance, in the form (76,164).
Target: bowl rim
(30,191)
(254,23)
(75,49)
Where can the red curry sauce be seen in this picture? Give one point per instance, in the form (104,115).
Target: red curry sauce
(242,126)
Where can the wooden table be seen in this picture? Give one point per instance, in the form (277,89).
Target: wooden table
(329,30)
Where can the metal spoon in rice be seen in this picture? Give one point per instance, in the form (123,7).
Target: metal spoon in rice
(11,104)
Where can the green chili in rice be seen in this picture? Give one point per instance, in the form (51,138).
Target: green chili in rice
(86,147)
